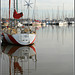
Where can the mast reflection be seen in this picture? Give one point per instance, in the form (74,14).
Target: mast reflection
(18,59)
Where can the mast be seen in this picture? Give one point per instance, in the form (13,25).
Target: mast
(57,13)
(52,14)
(17,5)
(6,14)
(28,14)
(0,28)
(28,4)
(42,16)
(72,12)
(63,11)
(14,9)
(34,9)
(14,4)
(9,8)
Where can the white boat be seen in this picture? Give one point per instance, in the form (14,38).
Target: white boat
(43,24)
(72,22)
(63,23)
(19,35)
(19,39)
(26,23)
(36,24)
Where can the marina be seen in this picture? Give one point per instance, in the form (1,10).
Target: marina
(36,41)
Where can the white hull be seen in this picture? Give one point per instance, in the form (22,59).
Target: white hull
(36,24)
(63,23)
(43,24)
(19,39)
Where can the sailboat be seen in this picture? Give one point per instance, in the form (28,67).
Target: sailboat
(63,22)
(43,24)
(20,35)
(36,22)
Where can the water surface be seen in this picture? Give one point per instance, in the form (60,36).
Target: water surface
(52,54)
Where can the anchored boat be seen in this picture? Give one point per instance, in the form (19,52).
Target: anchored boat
(20,34)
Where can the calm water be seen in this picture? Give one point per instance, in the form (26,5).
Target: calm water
(52,54)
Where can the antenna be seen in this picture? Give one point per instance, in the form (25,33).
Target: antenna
(28,4)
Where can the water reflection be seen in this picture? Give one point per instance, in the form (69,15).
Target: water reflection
(56,33)
(55,50)
(54,46)
(16,60)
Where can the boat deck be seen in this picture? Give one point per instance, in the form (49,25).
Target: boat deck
(17,30)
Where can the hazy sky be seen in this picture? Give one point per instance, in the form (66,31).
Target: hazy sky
(68,4)
(44,6)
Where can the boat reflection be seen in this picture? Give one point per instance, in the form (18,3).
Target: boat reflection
(17,60)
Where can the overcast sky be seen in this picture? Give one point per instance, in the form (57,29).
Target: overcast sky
(43,5)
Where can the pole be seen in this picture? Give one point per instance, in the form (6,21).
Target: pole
(14,9)
(0,27)
(63,11)
(17,5)
(9,8)
(28,16)
(14,4)
(34,10)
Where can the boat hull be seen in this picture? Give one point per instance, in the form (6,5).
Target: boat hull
(19,39)
(63,23)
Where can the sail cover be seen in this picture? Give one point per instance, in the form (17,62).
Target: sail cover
(17,15)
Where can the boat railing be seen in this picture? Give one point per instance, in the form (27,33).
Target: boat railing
(10,29)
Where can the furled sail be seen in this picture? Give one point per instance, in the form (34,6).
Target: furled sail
(17,15)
